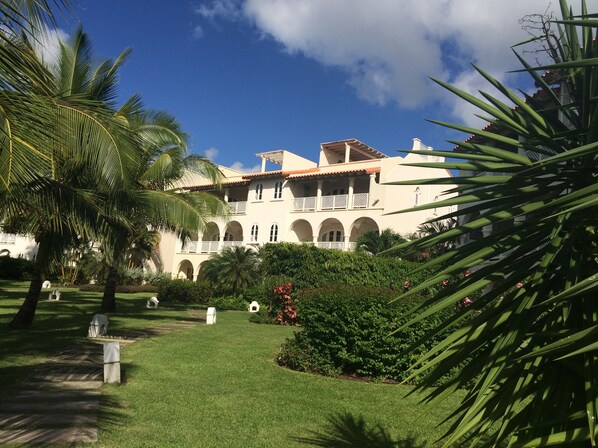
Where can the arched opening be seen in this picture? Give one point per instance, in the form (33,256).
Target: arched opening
(233,235)
(4,253)
(359,227)
(331,234)
(209,239)
(301,232)
(185,270)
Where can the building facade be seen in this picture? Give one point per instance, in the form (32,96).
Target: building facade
(330,203)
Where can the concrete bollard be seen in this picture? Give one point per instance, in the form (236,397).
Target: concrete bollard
(112,362)
(211,316)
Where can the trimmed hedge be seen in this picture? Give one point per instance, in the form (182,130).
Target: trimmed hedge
(15,268)
(185,291)
(349,330)
(310,267)
(121,288)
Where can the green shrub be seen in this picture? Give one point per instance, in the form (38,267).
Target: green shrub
(262,317)
(179,291)
(307,266)
(121,288)
(353,330)
(236,303)
(15,268)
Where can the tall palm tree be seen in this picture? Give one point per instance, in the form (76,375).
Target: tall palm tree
(56,196)
(374,242)
(233,270)
(154,199)
(526,348)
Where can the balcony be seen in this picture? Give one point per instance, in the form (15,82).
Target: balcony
(331,245)
(227,244)
(8,238)
(237,208)
(336,202)
(304,204)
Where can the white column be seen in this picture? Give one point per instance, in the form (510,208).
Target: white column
(263,169)
(346,242)
(372,183)
(347,153)
(350,195)
(319,195)
(226,194)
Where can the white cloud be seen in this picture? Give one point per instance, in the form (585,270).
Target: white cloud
(389,48)
(47,46)
(198,32)
(239,166)
(211,153)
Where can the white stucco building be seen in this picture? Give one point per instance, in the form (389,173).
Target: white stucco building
(17,245)
(329,203)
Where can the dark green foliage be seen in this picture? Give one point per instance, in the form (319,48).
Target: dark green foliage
(121,288)
(233,270)
(261,317)
(185,291)
(349,330)
(232,302)
(309,267)
(373,242)
(15,268)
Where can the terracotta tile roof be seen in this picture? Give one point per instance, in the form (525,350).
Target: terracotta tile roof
(278,173)
(324,173)
(232,183)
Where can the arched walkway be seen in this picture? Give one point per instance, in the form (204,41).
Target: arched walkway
(185,270)
(359,227)
(301,232)
(331,234)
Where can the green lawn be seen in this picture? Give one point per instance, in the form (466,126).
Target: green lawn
(217,386)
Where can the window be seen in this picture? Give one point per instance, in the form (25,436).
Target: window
(278,190)
(417,195)
(259,188)
(332,236)
(228,236)
(274,233)
(254,232)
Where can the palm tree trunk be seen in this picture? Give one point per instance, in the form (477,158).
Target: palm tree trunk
(26,314)
(109,297)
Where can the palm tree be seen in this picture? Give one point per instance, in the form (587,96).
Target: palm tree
(55,196)
(436,227)
(526,348)
(374,243)
(233,270)
(154,199)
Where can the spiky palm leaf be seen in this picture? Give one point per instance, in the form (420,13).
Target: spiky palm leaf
(527,344)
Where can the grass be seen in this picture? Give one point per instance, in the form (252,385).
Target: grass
(219,386)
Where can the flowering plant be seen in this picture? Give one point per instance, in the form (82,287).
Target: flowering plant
(287,310)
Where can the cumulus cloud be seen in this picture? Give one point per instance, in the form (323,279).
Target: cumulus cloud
(389,48)
(47,45)
(211,153)
(239,166)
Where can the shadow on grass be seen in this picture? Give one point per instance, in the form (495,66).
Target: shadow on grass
(349,431)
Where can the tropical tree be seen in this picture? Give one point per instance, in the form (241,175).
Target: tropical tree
(436,227)
(233,270)
(154,199)
(374,242)
(53,183)
(526,348)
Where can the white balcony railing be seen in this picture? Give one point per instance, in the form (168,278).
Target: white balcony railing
(190,247)
(334,202)
(304,204)
(360,200)
(237,208)
(209,247)
(8,238)
(226,244)
(331,245)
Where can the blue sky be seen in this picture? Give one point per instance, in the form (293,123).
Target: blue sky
(246,76)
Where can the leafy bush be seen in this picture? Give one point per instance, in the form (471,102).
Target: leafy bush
(236,303)
(262,317)
(185,291)
(310,267)
(15,268)
(349,330)
(121,288)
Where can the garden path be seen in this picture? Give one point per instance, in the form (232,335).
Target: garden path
(59,401)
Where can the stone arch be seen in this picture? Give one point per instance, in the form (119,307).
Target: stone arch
(233,231)
(4,253)
(185,270)
(211,232)
(362,225)
(301,231)
(331,229)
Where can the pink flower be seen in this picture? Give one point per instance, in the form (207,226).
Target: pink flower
(445,282)
(467,301)
(519,285)
(467,273)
